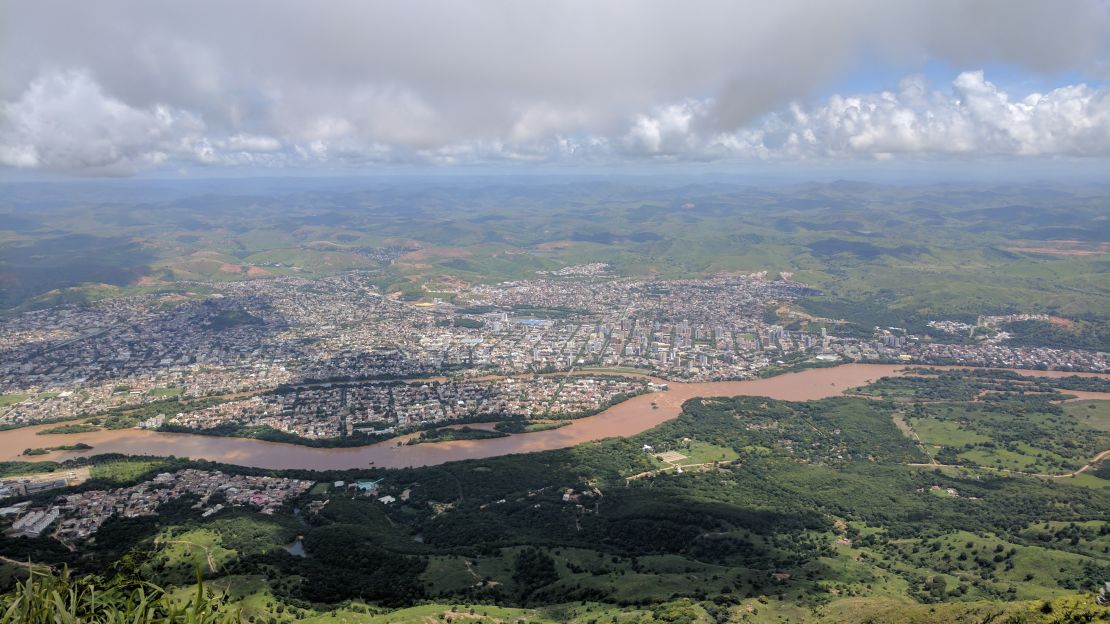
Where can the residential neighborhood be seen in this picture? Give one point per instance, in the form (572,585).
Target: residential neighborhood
(329,357)
(70,518)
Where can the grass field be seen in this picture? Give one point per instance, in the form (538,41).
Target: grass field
(12,399)
(864,610)
(980,566)
(451,574)
(125,471)
(703,452)
(1048,440)
(1088,480)
(939,433)
(180,554)
(1003,459)
(1092,414)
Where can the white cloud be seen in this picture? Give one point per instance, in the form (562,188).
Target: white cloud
(666,132)
(570,79)
(975,117)
(252,143)
(65,121)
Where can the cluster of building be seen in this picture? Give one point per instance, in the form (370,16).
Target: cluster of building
(254,336)
(894,344)
(131,338)
(77,516)
(994,321)
(33,523)
(72,361)
(592,269)
(23,487)
(987,327)
(1003,356)
(701,329)
(334,409)
(954,328)
(27,485)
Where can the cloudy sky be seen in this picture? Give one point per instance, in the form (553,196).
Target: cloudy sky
(114,88)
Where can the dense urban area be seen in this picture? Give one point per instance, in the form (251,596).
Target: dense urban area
(331,357)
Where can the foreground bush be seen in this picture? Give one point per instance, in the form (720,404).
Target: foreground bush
(58,598)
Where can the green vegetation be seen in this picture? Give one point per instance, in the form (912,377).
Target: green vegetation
(468,323)
(824,511)
(124,471)
(1093,414)
(934,497)
(43,450)
(48,598)
(130,416)
(12,399)
(703,453)
(922,384)
(228,319)
(878,254)
(1074,335)
(447,434)
(69,428)
(542,313)
(998,420)
(528,426)
(105,470)
(22,468)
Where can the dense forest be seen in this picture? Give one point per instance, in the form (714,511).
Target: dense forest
(1092,335)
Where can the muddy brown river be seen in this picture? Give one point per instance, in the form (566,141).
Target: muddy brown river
(625,419)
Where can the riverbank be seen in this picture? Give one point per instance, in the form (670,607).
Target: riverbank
(627,418)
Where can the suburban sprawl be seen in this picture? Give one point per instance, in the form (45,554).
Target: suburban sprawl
(75,517)
(331,357)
